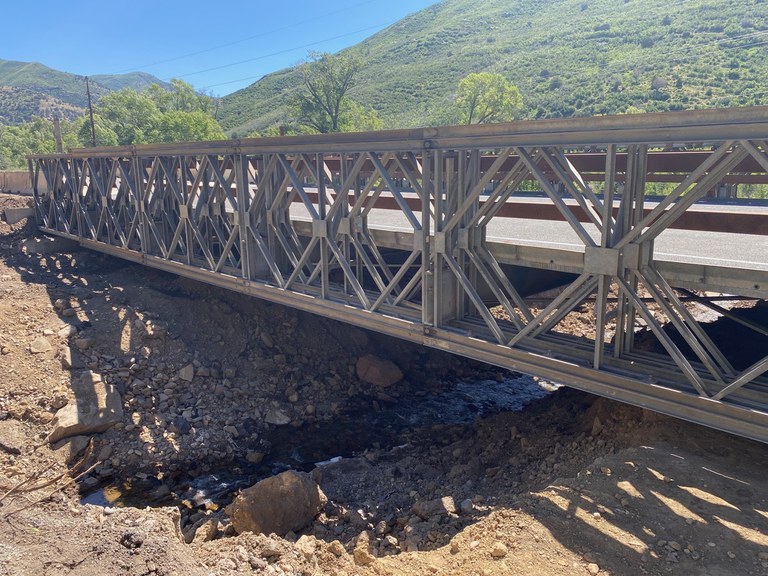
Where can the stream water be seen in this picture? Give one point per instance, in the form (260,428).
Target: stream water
(345,436)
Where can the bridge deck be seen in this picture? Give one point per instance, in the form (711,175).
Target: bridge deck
(700,260)
(302,221)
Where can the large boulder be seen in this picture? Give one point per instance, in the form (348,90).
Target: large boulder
(96,407)
(279,504)
(378,371)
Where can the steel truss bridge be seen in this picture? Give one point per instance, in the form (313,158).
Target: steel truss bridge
(294,220)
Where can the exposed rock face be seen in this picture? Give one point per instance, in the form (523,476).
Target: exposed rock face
(279,504)
(378,371)
(97,406)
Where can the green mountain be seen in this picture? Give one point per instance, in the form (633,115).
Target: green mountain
(568,57)
(30,88)
(136,80)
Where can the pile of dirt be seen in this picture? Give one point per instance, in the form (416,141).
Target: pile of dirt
(212,385)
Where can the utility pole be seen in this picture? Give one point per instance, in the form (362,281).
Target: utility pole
(90,111)
(57,133)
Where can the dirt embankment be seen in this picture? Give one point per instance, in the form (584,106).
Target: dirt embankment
(212,384)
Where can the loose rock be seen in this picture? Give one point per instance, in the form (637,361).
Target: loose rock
(438,507)
(83,343)
(97,406)
(70,360)
(40,345)
(499,550)
(67,331)
(378,371)
(154,331)
(279,504)
(206,531)
(336,548)
(363,557)
(187,373)
(277,417)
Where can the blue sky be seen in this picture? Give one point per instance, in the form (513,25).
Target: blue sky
(218,46)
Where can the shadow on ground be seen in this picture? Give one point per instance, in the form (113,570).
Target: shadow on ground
(219,388)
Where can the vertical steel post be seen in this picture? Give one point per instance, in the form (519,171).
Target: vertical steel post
(428,198)
(242,187)
(604,283)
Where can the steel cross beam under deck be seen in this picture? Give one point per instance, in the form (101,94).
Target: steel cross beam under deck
(220,212)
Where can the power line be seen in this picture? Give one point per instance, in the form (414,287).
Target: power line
(260,35)
(687,50)
(612,62)
(263,56)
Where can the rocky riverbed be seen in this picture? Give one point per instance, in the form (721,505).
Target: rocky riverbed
(196,393)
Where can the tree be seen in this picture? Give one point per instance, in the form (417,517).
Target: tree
(356,118)
(180,97)
(486,97)
(352,118)
(7,155)
(124,117)
(16,142)
(131,115)
(326,81)
(105,136)
(180,126)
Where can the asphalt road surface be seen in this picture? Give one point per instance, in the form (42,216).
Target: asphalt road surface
(713,248)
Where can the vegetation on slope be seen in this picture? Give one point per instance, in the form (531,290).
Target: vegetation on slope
(137,80)
(19,105)
(125,117)
(568,58)
(28,89)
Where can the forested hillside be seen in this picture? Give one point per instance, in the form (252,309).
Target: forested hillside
(124,117)
(29,88)
(136,80)
(568,57)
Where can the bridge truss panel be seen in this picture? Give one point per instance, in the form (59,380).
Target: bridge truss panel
(294,220)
